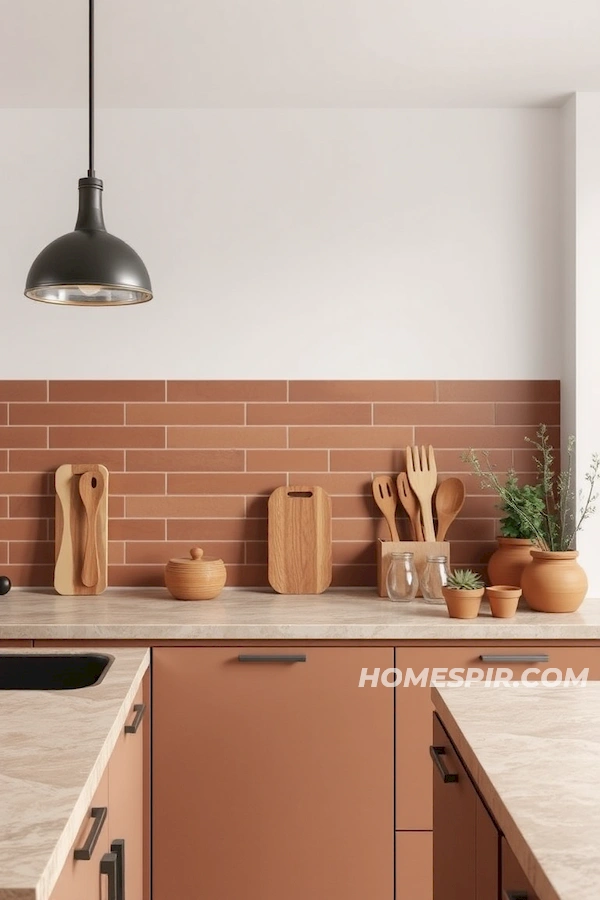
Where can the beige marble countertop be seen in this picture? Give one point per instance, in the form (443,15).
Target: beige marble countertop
(253,614)
(54,747)
(535,755)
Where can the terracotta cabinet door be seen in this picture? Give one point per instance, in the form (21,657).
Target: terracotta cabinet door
(126,775)
(81,878)
(465,838)
(272,778)
(414,709)
(515,884)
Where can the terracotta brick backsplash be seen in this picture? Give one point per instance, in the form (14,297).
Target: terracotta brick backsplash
(193,462)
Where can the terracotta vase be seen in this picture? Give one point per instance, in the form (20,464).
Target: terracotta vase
(508,561)
(554,582)
(462,604)
(504,600)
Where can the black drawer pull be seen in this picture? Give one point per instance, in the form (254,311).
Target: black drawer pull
(108,867)
(118,848)
(515,895)
(514,657)
(139,710)
(436,754)
(272,657)
(98,814)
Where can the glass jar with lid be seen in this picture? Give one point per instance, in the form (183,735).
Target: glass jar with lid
(402,581)
(434,578)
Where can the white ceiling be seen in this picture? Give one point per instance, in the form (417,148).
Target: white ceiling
(349,53)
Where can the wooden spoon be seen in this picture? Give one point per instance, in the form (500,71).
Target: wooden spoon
(449,501)
(411,505)
(386,498)
(90,490)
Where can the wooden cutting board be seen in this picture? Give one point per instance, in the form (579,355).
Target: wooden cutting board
(78,558)
(299,540)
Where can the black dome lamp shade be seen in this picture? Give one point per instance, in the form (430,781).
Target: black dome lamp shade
(89,266)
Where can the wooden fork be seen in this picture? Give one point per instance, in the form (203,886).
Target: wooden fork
(422,477)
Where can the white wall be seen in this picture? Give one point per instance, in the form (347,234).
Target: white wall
(295,243)
(581,383)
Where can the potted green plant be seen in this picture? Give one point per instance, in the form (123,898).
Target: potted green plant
(552,581)
(522,506)
(463,593)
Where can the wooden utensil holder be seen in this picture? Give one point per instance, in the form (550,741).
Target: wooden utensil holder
(420,549)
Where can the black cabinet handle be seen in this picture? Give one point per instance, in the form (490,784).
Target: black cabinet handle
(515,895)
(272,657)
(108,867)
(98,814)
(436,754)
(514,657)
(118,848)
(139,710)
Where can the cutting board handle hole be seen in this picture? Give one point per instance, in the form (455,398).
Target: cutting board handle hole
(94,482)
(299,493)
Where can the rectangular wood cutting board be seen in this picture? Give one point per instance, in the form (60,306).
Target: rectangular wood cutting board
(299,540)
(71,531)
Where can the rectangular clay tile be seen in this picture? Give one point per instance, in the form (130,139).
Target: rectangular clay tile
(185,413)
(185,460)
(121,437)
(411,414)
(347,436)
(107,391)
(222,482)
(23,391)
(309,414)
(499,391)
(228,436)
(362,391)
(226,391)
(43,460)
(67,413)
(284,460)
(185,507)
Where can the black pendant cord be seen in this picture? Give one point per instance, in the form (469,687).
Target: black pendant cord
(91,90)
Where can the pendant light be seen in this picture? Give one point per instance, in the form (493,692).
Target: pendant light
(89,266)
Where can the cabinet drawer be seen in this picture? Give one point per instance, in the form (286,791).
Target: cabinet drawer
(414,865)
(414,708)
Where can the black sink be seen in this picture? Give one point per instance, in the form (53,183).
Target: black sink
(51,671)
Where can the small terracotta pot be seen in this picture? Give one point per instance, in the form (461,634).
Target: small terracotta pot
(197,578)
(554,582)
(504,600)
(506,564)
(462,604)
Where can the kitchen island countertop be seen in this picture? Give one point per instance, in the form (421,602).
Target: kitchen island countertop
(257,614)
(534,753)
(54,748)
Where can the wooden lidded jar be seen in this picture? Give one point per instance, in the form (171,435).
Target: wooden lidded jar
(197,578)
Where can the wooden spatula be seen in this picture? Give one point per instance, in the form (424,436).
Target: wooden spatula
(411,506)
(386,498)
(90,491)
(422,477)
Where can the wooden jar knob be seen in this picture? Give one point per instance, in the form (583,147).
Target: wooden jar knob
(196,553)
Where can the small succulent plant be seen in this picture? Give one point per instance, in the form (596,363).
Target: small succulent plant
(464,580)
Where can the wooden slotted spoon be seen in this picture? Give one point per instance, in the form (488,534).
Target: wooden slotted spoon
(386,498)
(411,506)
(422,477)
(449,500)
